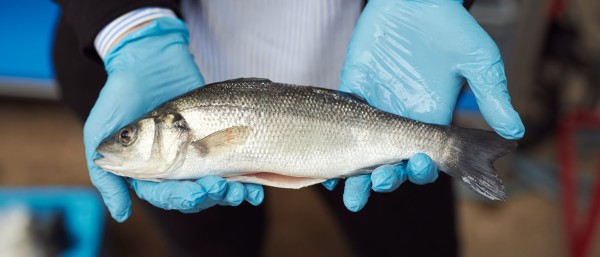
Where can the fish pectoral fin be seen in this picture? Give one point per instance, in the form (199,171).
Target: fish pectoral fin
(222,140)
(276,180)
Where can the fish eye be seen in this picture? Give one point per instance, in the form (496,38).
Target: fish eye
(126,135)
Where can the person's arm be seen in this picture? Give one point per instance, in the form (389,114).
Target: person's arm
(87,17)
(468,3)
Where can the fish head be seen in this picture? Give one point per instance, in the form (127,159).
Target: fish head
(148,148)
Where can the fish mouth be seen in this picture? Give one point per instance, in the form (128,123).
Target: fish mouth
(107,163)
(106,159)
(103,162)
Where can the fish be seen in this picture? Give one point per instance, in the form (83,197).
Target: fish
(253,130)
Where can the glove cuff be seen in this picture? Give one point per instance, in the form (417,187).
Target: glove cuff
(111,33)
(164,31)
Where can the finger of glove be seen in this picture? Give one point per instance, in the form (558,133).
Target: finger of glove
(114,191)
(388,178)
(170,195)
(488,83)
(330,183)
(255,194)
(356,192)
(235,195)
(215,188)
(421,169)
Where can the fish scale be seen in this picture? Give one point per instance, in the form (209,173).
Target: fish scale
(328,142)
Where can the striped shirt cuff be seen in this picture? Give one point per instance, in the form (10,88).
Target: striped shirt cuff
(116,28)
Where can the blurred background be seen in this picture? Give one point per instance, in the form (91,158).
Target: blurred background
(551,50)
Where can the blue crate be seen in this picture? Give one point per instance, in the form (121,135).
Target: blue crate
(26,45)
(81,207)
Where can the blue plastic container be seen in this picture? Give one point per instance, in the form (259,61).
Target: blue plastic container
(81,207)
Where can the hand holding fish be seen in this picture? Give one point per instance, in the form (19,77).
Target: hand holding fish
(145,68)
(411,58)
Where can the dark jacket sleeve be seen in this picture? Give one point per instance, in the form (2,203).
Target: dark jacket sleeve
(78,69)
(467,3)
(87,17)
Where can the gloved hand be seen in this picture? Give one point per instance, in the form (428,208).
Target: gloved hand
(145,68)
(412,58)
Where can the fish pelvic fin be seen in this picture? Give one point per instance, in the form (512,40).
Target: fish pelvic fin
(472,156)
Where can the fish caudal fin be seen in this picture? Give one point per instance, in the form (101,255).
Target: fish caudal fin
(473,152)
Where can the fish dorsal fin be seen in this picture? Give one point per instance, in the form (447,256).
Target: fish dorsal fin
(353,96)
(336,93)
(238,80)
(222,140)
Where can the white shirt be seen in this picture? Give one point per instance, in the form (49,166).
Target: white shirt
(290,41)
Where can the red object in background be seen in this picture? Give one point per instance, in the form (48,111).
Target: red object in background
(556,8)
(579,233)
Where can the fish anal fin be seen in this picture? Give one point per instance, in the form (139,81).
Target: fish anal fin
(370,169)
(222,140)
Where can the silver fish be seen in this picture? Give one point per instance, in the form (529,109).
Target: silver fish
(290,136)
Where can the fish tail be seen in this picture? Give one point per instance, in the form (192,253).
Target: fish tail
(472,155)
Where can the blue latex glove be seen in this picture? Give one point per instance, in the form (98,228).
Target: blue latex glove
(412,58)
(145,68)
